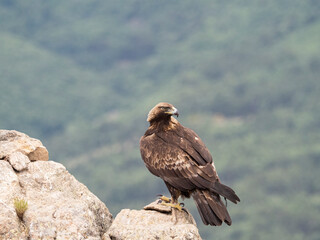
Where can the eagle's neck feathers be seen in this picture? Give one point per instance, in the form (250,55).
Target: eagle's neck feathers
(162,125)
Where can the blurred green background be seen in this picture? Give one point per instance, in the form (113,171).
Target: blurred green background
(82,76)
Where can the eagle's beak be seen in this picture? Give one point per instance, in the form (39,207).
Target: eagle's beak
(174,111)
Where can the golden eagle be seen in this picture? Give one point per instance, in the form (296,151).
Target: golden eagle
(178,156)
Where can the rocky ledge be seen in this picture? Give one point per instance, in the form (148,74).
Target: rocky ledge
(154,222)
(60,207)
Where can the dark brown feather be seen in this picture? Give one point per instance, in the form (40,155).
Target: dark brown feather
(178,156)
(208,215)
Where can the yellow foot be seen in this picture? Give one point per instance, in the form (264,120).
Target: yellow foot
(165,199)
(177,206)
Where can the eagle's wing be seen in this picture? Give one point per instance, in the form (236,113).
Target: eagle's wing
(179,165)
(187,140)
(174,164)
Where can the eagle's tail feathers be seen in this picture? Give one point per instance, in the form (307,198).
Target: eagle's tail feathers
(226,192)
(211,208)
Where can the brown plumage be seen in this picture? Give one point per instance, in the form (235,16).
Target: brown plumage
(178,156)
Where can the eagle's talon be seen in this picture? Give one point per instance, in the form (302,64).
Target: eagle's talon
(172,205)
(185,210)
(181,204)
(165,199)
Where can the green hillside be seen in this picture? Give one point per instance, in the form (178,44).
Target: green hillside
(82,76)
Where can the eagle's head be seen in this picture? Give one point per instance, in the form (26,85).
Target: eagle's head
(162,110)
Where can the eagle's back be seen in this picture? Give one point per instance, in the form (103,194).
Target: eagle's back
(177,156)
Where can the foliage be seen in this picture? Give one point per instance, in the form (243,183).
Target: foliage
(20,205)
(82,76)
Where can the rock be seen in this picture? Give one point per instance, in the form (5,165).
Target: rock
(40,153)
(152,224)
(18,161)
(158,207)
(12,141)
(10,225)
(59,207)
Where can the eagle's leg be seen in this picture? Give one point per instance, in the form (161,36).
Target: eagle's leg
(173,202)
(175,205)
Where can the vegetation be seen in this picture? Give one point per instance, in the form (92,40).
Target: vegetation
(82,76)
(20,205)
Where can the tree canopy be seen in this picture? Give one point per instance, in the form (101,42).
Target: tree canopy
(82,76)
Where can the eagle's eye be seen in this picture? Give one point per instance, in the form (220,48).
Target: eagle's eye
(164,108)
